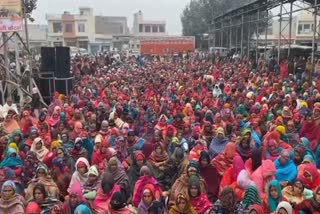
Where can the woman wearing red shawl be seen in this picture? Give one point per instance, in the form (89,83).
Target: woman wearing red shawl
(26,122)
(158,159)
(145,179)
(55,117)
(199,200)
(310,176)
(276,136)
(210,174)
(272,151)
(200,145)
(78,131)
(162,123)
(104,195)
(224,160)
(100,154)
(148,196)
(45,134)
(230,177)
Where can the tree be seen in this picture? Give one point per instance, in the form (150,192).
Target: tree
(27,7)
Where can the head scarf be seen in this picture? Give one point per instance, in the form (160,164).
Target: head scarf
(251,197)
(273,202)
(284,205)
(10,161)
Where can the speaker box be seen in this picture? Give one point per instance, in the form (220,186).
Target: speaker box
(48,59)
(62,62)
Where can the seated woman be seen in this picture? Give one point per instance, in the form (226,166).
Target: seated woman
(224,160)
(101,203)
(286,169)
(148,196)
(61,175)
(39,148)
(311,205)
(13,161)
(75,198)
(231,175)
(40,196)
(29,168)
(210,174)
(182,183)
(10,201)
(263,175)
(272,151)
(116,171)
(90,187)
(296,193)
(284,207)
(274,197)
(251,197)
(199,200)
(145,179)
(42,176)
(81,174)
(158,158)
(310,176)
(227,202)
(182,206)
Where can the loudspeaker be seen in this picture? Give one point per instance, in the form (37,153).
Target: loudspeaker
(48,59)
(63,86)
(62,62)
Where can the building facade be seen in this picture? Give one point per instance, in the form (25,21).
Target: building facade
(85,30)
(142,27)
(301,31)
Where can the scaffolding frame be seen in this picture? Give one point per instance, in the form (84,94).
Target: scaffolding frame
(253,12)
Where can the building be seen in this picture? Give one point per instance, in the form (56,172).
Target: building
(37,37)
(142,27)
(301,31)
(84,30)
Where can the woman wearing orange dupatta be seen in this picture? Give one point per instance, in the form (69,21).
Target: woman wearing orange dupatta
(224,160)
(10,124)
(230,177)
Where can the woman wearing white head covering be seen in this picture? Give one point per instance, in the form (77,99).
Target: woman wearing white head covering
(39,148)
(284,208)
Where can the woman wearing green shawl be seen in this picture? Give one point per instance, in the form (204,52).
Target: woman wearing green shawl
(12,159)
(251,197)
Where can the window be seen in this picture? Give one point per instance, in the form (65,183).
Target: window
(81,28)
(57,27)
(57,44)
(307,28)
(162,29)
(148,29)
(140,28)
(83,44)
(300,28)
(155,28)
(138,46)
(68,28)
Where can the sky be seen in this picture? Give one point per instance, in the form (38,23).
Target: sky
(168,10)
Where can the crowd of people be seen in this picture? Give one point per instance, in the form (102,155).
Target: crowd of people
(176,135)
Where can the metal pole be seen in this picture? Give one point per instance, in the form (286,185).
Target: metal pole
(6,63)
(237,30)
(290,29)
(249,35)
(18,71)
(28,46)
(242,35)
(266,38)
(280,31)
(214,35)
(230,35)
(221,36)
(315,29)
(257,37)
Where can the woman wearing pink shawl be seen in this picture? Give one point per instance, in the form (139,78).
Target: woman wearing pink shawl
(55,116)
(145,178)
(75,198)
(263,175)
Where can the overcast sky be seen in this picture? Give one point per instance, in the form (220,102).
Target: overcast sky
(169,10)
